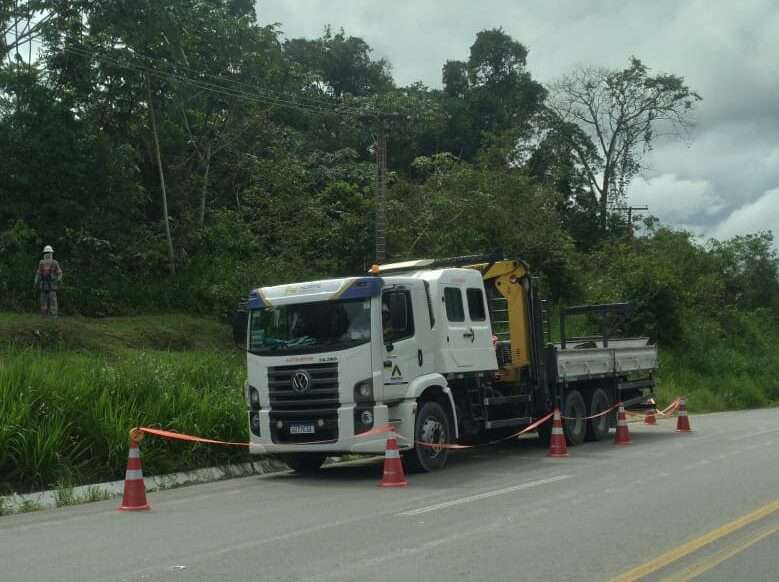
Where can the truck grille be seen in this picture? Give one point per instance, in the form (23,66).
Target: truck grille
(319,402)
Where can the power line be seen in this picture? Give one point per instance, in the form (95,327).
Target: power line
(239,91)
(310,105)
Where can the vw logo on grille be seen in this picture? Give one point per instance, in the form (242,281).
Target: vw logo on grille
(301,381)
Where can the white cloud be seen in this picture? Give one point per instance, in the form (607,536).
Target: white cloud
(675,200)
(727,54)
(762,214)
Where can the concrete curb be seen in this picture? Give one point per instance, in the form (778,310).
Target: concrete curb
(51,498)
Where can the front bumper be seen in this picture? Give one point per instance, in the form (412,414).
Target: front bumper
(347,441)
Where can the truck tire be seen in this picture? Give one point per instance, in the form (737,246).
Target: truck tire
(304,463)
(598,428)
(574,407)
(432,425)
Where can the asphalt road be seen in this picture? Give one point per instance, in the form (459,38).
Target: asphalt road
(669,507)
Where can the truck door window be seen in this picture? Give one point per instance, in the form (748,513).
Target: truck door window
(397,316)
(453,299)
(476,304)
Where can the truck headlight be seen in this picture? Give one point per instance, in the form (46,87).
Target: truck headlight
(254,398)
(363,391)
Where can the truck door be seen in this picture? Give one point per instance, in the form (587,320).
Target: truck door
(459,333)
(469,334)
(401,350)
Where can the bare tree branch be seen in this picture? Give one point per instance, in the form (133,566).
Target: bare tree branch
(619,110)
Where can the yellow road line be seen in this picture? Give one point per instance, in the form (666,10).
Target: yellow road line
(680,552)
(714,560)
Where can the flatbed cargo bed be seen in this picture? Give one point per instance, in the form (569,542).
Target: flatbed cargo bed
(588,358)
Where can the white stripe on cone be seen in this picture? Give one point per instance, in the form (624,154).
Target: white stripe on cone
(135,453)
(392,454)
(133,474)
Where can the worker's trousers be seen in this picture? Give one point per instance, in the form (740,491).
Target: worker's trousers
(49,303)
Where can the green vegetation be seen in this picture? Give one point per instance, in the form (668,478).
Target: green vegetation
(178,153)
(65,495)
(65,413)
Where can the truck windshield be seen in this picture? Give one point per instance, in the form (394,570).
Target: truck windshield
(310,327)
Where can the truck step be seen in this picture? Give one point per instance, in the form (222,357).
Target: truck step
(520,421)
(515,399)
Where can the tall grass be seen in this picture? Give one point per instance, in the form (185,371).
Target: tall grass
(65,416)
(724,365)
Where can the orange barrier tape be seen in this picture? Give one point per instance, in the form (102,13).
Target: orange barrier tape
(670,407)
(527,429)
(631,413)
(530,427)
(381,430)
(167,434)
(664,412)
(605,412)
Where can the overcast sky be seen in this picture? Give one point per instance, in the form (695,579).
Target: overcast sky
(724,182)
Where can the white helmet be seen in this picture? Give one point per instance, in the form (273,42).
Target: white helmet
(48,249)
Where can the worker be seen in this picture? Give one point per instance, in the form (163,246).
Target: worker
(47,280)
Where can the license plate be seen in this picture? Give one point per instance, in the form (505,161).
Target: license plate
(301,428)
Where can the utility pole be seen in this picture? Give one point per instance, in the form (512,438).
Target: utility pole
(629,210)
(381,192)
(381,119)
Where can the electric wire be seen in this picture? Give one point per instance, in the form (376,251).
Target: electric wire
(238,90)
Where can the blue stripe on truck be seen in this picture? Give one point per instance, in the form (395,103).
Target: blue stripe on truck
(363,287)
(255,301)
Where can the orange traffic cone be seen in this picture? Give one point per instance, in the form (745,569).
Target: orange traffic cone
(393,466)
(622,436)
(557,446)
(134,490)
(683,421)
(651,417)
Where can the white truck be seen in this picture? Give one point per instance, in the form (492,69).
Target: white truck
(445,350)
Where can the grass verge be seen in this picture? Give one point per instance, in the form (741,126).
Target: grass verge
(70,389)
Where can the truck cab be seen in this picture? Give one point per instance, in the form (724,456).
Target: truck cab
(330,360)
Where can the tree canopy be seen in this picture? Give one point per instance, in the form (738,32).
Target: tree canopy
(178,153)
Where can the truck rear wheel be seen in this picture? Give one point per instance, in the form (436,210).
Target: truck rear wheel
(304,463)
(576,429)
(598,428)
(431,426)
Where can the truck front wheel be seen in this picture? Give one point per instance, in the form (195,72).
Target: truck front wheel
(431,430)
(305,463)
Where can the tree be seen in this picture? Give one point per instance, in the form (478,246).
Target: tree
(462,208)
(750,269)
(491,97)
(343,63)
(621,112)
